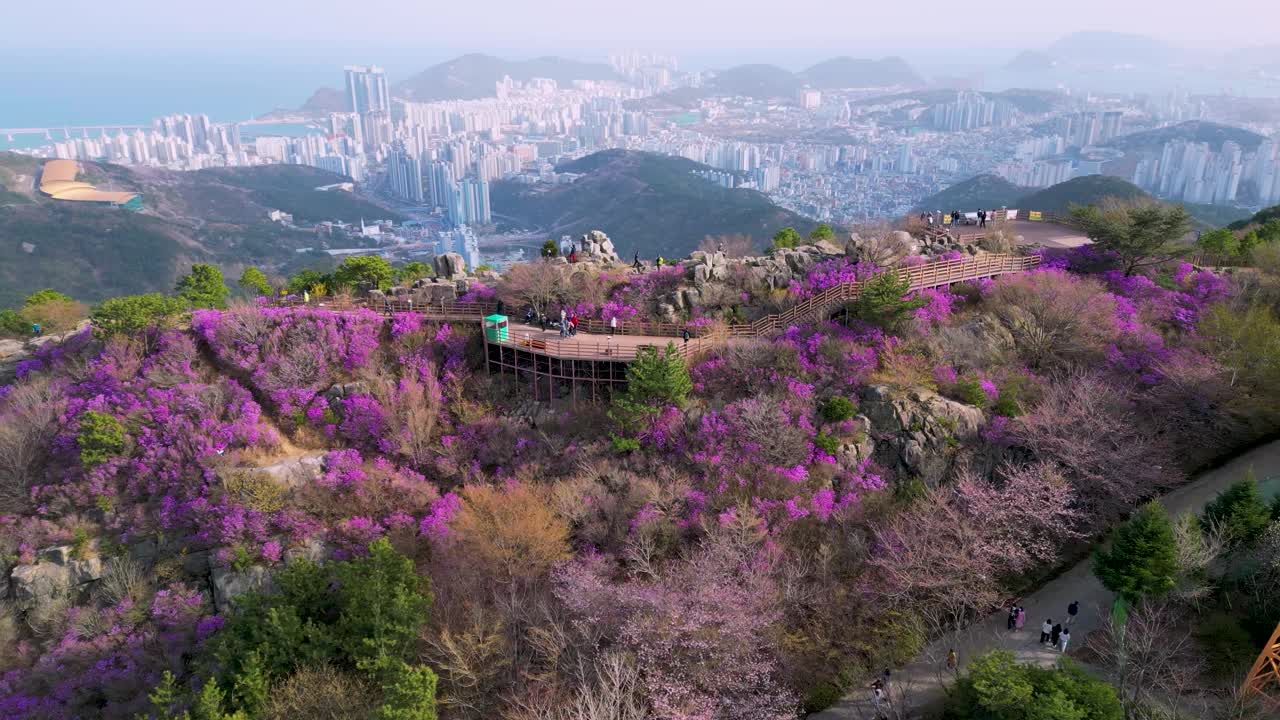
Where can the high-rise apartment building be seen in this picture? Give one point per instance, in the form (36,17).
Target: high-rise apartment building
(404,172)
(367,89)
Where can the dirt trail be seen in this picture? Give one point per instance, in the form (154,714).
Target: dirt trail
(920,684)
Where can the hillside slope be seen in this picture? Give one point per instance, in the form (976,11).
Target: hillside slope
(646,202)
(216,215)
(848,72)
(1191,131)
(473,76)
(1086,190)
(980,191)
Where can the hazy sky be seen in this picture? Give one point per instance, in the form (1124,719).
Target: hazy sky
(584,29)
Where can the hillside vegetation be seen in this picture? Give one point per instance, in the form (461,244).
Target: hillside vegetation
(270,513)
(646,202)
(213,215)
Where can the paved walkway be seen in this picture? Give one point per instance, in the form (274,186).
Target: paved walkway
(920,685)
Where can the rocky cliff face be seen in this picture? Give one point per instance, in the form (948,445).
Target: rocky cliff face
(918,432)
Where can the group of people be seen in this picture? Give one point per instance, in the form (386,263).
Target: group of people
(567,325)
(638,266)
(1055,635)
(953,218)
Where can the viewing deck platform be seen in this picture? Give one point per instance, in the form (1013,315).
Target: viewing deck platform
(598,355)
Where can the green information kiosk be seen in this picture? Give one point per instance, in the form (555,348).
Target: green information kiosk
(495,328)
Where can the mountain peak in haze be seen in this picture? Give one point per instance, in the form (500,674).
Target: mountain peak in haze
(848,72)
(473,76)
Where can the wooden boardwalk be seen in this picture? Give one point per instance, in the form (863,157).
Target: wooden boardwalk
(593,341)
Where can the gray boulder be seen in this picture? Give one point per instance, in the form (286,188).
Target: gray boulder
(229,584)
(918,431)
(37,584)
(450,266)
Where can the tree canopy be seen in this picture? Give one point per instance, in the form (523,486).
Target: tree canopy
(998,688)
(787,237)
(371,270)
(1139,234)
(1142,558)
(253,281)
(133,314)
(203,287)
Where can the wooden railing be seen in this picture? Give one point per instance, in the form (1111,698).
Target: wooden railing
(811,309)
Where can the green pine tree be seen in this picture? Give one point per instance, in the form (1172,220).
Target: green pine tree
(1142,558)
(203,287)
(654,381)
(1240,510)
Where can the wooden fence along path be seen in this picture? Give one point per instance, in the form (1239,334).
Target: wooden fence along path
(595,342)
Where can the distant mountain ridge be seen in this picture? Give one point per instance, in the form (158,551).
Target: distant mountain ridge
(848,72)
(993,191)
(766,82)
(1192,131)
(474,76)
(647,203)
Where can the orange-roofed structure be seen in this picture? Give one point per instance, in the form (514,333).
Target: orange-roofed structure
(58,181)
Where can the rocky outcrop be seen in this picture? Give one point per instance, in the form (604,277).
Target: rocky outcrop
(13,351)
(856,446)
(596,246)
(229,583)
(294,472)
(917,432)
(57,571)
(450,266)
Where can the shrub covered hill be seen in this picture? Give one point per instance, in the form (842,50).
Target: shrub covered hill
(268,513)
(217,215)
(993,191)
(650,203)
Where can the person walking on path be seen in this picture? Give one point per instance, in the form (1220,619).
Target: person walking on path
(1013,617)
(563,316)
(1022,618)
(1072,610)
(1055,634)
(613,325)
(953,661)
(1064,639)
(1045,629)
(877,698)
(685,335)
(35,330)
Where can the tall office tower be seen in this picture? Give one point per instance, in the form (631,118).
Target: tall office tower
(367,89)
(440,183)
(404,172)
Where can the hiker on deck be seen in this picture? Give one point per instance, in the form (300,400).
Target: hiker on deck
(613,325)
(639,266)
(573,325)
(500,308)
(685,334)
(1022,618)
(1013,617)
(982,218)
(528,316)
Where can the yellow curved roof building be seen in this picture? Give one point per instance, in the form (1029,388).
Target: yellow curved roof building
(58,181)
